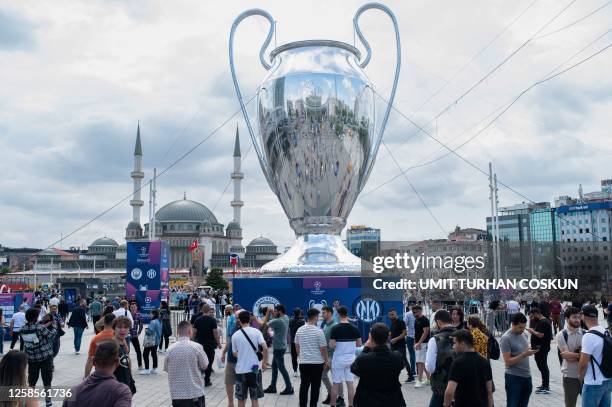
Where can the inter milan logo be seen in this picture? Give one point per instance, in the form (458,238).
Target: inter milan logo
(151,273)
(367,309)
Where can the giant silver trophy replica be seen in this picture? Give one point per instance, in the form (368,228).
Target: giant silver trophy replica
(316,140)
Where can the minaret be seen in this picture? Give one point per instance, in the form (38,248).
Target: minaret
(134,229)
(237,176)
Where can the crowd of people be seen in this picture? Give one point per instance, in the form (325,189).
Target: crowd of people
(436,344)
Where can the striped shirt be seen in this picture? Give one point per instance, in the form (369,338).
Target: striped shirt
(409,320)
(311,339)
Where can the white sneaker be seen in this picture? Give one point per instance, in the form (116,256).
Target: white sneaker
(76,352)
(296,374)
(145,372)
(427,382)
(154,371)
(418,383)
(140,368)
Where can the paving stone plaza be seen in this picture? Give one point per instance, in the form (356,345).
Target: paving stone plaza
(153,390)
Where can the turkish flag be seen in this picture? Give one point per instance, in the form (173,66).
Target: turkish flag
(193,246)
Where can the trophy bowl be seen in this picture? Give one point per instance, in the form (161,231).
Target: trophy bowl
(316,138)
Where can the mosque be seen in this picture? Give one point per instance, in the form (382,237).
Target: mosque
(184,221)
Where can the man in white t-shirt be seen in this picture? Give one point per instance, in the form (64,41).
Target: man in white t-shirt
(17,321)
(246,342)
(512,306)
(54,301)
(123,311)
(597,388)
(344,339)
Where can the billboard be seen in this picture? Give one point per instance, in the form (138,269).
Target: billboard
(365,306)
(148,274)
(10,302)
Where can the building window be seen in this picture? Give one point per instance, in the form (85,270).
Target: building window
(171,227)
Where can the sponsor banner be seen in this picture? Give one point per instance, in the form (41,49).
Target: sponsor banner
(365,307)
(10,302)
(147,274)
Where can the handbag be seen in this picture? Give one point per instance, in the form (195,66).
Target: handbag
(257,351)
(149,338)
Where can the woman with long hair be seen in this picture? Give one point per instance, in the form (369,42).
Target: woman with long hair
(480,334)
(13,368)
(151,341)
(457,315)
(164,317)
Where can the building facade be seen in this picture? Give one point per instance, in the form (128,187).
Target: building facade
(356,235)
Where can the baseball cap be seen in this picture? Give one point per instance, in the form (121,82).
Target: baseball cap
(589,311)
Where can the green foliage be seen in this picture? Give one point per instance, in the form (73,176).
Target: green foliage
(216,280)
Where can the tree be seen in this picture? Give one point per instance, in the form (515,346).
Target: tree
(216,280)
(4,270)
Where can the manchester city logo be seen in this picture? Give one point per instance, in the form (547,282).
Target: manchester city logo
(265,301)
(151,273)
(136,274)
(367,309)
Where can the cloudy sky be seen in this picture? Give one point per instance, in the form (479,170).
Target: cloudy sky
(75,78)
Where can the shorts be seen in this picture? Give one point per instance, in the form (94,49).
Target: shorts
(230,373)
(421,354)
(249,385)
(341,372)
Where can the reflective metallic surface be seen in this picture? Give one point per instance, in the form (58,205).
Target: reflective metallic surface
(316,139)
(315,117)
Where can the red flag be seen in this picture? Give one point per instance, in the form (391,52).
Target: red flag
(193,245)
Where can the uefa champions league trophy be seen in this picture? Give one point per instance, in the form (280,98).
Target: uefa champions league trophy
(316,140)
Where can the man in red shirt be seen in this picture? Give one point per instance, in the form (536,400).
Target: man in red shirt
(555,314)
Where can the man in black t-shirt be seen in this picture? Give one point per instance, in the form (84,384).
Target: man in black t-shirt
(421,336)
(397,336)
(541,335)
(206,334)
(470,380)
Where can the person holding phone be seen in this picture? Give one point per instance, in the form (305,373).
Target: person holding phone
(541,335)
(514,345)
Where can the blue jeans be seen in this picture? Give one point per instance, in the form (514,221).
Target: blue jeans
(278,363)
(78,334)
(597,396)
(410,345)
(518,390)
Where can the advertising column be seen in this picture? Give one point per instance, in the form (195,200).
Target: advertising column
(147,274)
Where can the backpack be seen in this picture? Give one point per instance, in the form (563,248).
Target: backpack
(493,350)
(444,359)
(606,354)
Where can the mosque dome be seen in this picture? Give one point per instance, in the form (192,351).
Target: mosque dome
(185,210)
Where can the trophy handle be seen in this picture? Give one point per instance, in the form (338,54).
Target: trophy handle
(266,65)
(365,63)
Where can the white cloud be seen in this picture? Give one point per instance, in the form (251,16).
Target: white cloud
(76,77)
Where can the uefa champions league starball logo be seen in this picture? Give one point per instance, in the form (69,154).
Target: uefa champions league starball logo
(147,300)
(136,274)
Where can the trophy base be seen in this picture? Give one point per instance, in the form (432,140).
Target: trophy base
(315,254)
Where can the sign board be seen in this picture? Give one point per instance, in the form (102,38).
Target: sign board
(365,306)
(148,274)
